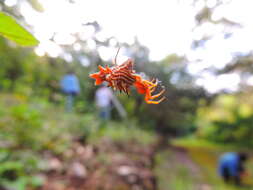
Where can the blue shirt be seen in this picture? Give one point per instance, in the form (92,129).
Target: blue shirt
(230,162)
(70,84)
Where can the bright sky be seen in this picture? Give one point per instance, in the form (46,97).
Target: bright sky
(164,26)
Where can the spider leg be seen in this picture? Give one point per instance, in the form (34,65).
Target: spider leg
(157,95)
(150,83)
(101,68)
(149,98)
(155,102)
(154,80)
(110,84)
(108,69)
(127,92)
(126,89)
(120,88)
(98,79)
(152,89)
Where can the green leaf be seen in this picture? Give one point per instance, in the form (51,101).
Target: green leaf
(10,29)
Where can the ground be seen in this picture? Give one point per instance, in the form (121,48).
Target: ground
(193,168)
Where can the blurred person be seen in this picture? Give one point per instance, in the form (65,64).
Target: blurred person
(104,98)
(231,167)
(70,86)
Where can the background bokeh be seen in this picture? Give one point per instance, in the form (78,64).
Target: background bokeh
(200,50)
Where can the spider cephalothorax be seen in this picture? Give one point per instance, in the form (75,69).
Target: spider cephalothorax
(121,77)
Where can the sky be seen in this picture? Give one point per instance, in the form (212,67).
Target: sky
(164,26)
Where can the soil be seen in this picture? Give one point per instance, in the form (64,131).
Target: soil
(105,166)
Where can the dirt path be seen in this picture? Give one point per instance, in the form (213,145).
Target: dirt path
(104,166)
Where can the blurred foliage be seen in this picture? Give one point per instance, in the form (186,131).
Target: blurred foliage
(36,5)
(31,131)
(228,120)
(204,16)
(117,133)
(227,117)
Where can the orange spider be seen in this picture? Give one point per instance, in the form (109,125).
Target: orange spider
(123,76)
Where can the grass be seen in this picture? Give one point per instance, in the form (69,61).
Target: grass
(193,142)
(173,174)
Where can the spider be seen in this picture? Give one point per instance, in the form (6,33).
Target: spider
(122,77)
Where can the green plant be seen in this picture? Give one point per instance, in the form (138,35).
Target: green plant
(14,31)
